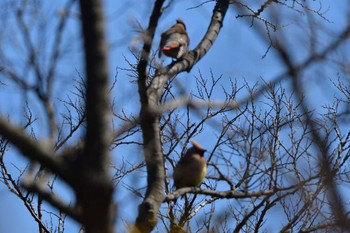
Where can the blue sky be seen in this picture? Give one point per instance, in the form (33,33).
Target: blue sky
(236,54)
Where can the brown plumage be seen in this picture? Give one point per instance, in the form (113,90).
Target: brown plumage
(191,169)
(174,41)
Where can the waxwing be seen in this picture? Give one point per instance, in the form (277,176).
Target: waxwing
(191,169)
(174,41)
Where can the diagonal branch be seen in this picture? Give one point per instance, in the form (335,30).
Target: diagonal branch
(32,149)
(326,166)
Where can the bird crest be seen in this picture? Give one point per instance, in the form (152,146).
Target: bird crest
(180,21)
(197,146)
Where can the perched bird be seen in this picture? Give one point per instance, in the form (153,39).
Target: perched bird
(191,169)
(174,41)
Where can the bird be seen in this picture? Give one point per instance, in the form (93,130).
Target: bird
(174,42)
(191,169)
